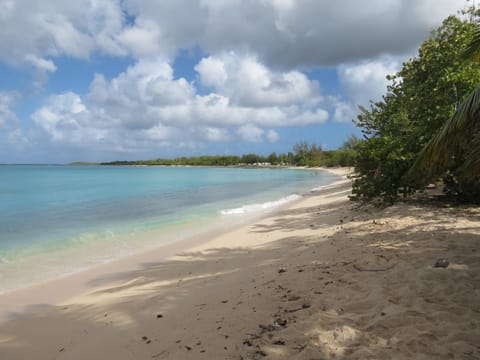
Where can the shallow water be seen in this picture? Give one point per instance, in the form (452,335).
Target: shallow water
(56,220)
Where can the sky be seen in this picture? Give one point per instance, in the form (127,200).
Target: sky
(102,80)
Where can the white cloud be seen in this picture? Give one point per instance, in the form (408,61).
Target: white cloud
(309,117)
(105,22)
(7,101)
(280,32)
(212,72)
(362,82)
(65,36)
(253,78)
(142,39)
(61,117)
(251,133)
(343,111)
(272,136)
(146,106)
(41,64)
(293,33)
(366,80)
(247,82)
(33,31)
(216,134)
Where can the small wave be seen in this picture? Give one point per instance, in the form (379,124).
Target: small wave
(5,260)
(259,207)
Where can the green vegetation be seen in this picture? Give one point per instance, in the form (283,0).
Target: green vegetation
(183,161)
(422,131)
(304,154)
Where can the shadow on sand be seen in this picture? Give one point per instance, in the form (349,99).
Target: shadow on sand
(357,284)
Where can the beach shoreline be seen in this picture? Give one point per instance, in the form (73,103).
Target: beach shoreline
(26,299)
(82,235)
(319,278)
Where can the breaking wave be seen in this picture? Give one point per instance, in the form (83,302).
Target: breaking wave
(260,207)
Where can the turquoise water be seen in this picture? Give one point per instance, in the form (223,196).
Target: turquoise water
(60,219)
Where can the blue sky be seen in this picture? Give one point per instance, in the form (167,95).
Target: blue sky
(135,79)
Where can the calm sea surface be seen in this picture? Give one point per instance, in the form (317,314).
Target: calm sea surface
(56,220)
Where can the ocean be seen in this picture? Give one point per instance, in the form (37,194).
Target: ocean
(58,220)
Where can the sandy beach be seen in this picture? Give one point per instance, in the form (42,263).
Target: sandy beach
(322,278)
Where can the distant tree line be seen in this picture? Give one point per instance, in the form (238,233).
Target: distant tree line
(303,154)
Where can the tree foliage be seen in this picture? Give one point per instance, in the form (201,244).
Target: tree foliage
(304,154)
(308,154)
(456,146)
(421,98)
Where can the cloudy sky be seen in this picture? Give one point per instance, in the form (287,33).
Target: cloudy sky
(98,80)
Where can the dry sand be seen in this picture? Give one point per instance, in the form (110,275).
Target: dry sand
(321,279)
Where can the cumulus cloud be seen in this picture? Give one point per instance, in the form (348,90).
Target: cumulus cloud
(247,82)
(250,133)
(41,64)
(251,80)
(272,136)
(61,117)
(146,106)
(142,39)
(36,32)
(343,111)
(140,96)
(212,134)
(366,80)
(212,72)
(7,101)
(282,33)
(362,82)
(289,33)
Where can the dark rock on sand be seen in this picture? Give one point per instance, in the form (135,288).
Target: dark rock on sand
(441,263)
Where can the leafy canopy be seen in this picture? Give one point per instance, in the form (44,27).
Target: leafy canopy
(422,97)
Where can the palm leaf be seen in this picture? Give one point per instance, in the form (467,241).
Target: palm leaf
(472,161)
(436,156)
(472,50)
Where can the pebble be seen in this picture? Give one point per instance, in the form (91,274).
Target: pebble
(247,342)
(441,263)
(259,354)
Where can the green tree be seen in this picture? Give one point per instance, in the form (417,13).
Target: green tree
(251,159)
(301,150)
(273,158)
(454,151)
(308,154)
(422,96)
(347,153)
(351,143)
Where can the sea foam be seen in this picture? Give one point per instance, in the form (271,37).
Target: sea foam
(269,205)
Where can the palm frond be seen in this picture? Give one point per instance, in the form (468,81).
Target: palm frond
(473,49)
(471,167)
(440,150)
